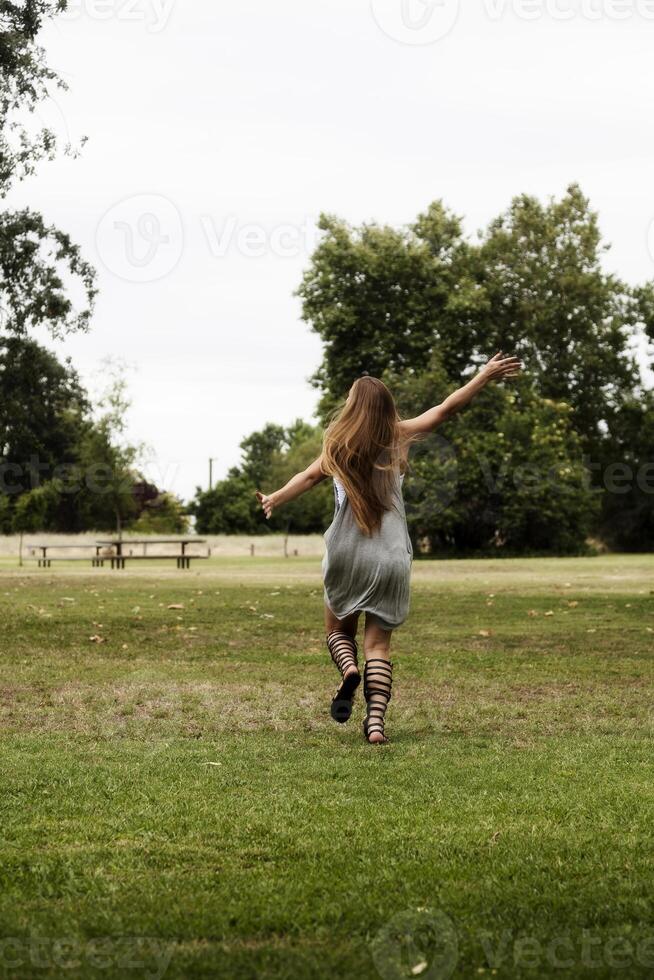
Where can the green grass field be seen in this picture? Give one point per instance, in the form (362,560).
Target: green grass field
(175,800)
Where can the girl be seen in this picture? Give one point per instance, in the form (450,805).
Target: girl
(367,563)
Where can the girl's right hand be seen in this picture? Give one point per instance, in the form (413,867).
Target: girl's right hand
(267,503)
(500,366)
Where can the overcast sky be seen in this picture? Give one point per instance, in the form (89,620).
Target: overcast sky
(217,132)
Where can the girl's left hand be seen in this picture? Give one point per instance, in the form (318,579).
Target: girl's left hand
(267,503)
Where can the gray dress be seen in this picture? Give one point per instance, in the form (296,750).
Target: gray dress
(369,574)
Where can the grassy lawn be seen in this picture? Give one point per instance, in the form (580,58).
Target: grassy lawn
(175,800)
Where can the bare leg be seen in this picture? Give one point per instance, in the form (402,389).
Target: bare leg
(377,650)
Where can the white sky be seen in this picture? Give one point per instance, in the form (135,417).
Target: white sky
(217,116)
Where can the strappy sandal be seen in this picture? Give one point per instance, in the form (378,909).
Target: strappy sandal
(377,685)
(343,650)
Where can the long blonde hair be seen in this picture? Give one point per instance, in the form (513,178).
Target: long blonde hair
(362,448)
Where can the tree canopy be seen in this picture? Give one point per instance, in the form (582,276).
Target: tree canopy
(423,307)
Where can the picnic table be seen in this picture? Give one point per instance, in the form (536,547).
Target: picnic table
(45,560)
(117,555)
(118,558)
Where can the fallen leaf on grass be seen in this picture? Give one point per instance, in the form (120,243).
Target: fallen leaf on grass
(550,612)
(176,605)
(573,603)
(533,612)
(484,632)
(96,639)
(419,968)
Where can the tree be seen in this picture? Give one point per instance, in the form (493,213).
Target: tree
(109,463)
(230,507)
(40,267)
(549,300)
(270,458)
(506,475)
(43,410)
(258,449)
(384,299)
(165,514)
(311,512)
(423,305)
(628,501)
(36,511)
(26,81)
(6,513)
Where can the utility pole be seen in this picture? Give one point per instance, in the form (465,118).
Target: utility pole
(212,460)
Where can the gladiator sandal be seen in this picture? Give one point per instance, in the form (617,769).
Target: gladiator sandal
(377,683)
(343,650)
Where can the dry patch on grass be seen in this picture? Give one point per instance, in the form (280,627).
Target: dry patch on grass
(545,709)
(155,708)
(144,708)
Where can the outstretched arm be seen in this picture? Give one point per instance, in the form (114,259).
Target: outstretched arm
(295,487)
(498,367)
